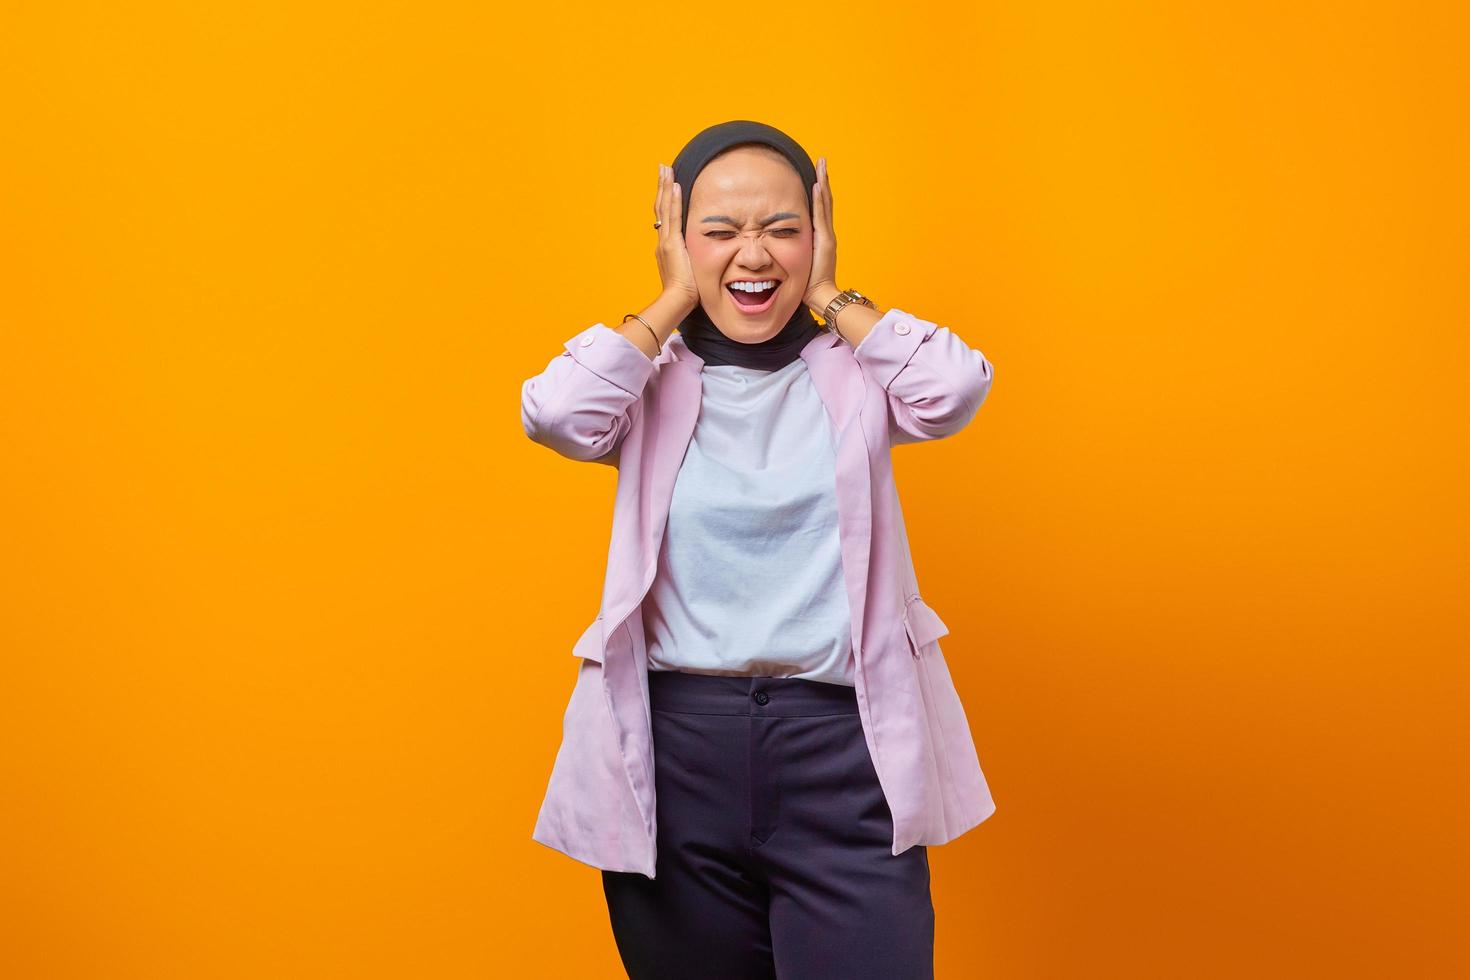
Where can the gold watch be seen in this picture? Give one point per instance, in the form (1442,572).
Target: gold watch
(829,315)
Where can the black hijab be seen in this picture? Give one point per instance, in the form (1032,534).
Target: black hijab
(698,330)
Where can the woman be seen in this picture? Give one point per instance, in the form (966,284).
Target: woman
(764,737)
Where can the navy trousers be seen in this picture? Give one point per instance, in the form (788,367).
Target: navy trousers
(774,842)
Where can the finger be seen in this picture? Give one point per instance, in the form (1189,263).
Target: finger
(826,192)
(663,201)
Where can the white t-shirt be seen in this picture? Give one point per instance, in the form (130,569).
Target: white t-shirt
(749,577)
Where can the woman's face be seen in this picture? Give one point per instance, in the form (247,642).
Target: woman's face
(727,241)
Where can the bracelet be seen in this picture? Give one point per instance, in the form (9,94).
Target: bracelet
(656,345)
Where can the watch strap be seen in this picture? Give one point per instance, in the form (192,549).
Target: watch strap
(841,300)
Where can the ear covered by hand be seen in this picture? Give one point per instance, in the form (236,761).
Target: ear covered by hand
(675,270)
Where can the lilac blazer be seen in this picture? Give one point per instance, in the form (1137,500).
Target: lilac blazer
(603,400)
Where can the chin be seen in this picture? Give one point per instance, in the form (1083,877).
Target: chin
(751,330)
(749,333)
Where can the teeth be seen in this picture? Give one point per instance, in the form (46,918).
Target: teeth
(753,287)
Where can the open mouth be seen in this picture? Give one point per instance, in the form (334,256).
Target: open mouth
(749,300)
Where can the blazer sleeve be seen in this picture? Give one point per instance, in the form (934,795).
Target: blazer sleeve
(934,380)
(584,402)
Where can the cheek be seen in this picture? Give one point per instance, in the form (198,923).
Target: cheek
(794,253)
(702,255)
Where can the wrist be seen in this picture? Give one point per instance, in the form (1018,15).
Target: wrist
(820,296)
(679,304)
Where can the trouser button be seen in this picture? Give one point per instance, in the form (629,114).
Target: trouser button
(761,697)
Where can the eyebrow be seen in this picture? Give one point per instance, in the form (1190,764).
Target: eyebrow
(778,216)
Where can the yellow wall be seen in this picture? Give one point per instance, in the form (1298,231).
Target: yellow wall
(289,598)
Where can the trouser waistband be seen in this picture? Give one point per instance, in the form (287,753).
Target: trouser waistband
(771,697)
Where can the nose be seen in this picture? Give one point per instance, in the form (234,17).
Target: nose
(753,254)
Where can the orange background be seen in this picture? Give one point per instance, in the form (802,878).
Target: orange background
(289,597)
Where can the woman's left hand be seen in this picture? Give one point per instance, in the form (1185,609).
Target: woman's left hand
(823,278)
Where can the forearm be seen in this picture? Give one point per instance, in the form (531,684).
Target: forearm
(934,380)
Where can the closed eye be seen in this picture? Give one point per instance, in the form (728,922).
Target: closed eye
(787,232)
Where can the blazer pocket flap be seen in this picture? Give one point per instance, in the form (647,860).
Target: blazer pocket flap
(923,623)
(589,644)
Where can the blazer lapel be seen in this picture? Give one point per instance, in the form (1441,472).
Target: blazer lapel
(680,392)
(840,383)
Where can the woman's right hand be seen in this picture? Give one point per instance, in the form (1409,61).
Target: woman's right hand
(674,267)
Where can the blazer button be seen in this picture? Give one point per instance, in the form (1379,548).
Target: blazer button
(901,328)
(587,340)
(761,697)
